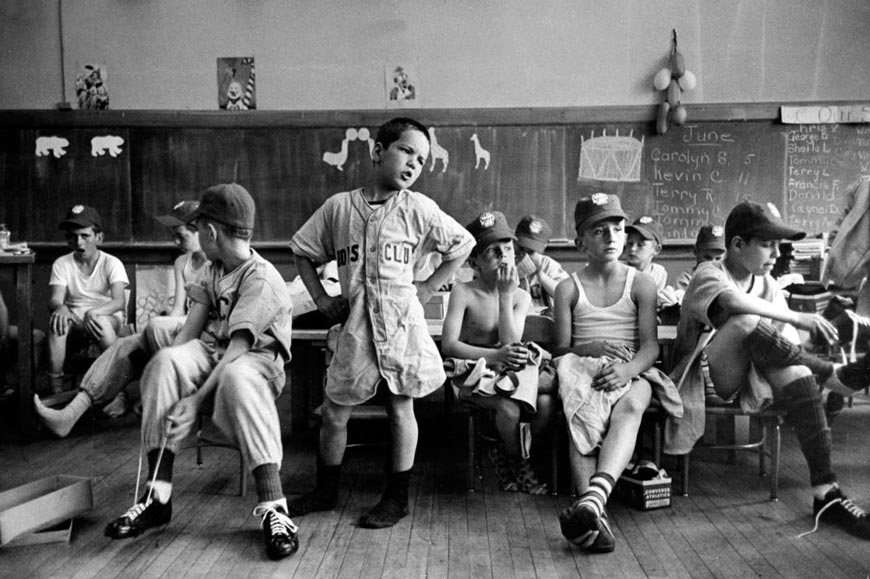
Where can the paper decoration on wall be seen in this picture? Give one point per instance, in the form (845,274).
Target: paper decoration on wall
(91,89)
(106,144)
(480,153)
(365,136)
(338,159)
(155,292)
(401,85)
(438,152)
(611,158)
(46,146)
(236,83)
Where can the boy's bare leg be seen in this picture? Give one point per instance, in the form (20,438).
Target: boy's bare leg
(585,522)
(110,325)
(403,426)
(333,442)
(394,502)
(333,432)
(728,357)
(56,359)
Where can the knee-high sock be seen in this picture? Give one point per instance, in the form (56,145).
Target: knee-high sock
(164,469)
(767,347)
(806,414)
(268,483)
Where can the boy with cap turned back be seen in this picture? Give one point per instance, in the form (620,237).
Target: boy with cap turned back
(86,288)
(377,234)
(482,335)
(735,321)
(103,385)
(539,274)
(244,305)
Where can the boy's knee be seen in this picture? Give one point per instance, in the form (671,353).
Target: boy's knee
(508,409)
(334,417)
(780,377)
(743,323)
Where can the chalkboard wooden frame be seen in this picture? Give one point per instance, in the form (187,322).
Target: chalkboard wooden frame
(547,184)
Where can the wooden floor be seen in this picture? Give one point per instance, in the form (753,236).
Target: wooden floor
(726,528)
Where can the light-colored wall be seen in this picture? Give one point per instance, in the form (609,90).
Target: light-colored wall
(331,54)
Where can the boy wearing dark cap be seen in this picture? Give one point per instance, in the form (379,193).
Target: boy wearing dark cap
(485,321)
(643,243)
(86,291)
(735,322)
(539,274)
(244,305)
(607,344)
(709,246)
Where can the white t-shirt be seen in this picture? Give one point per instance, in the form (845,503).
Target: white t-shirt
(85,292)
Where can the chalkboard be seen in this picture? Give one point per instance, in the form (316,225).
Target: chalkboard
(690,176)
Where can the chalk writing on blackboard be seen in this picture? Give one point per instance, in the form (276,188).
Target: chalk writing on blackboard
(821,161)
(697,175)
(826,114)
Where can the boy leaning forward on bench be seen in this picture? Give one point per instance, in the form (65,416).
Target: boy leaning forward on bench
(737,336)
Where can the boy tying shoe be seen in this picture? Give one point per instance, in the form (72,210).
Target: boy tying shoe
(607,339)
(735,323)
(245,305)
(377,234)
(539,274)
(485,320)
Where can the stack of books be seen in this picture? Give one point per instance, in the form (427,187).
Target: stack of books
(807,257)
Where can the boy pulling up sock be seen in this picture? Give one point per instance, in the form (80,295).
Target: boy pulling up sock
(735,317)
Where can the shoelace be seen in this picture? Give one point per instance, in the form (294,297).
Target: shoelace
(847,504)
(133,512)
(279,523)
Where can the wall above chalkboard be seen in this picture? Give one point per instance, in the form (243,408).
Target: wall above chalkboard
(518,161)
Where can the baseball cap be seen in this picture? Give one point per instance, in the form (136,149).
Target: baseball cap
(711,237)
(488,227)
(648,228)
(597,207)
(227,203)
(179,213)
(533,233)
(81,216)
(761,221)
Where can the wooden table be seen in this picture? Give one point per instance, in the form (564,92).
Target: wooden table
(18,270)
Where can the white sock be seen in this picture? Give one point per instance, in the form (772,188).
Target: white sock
(60,422)
(161,491)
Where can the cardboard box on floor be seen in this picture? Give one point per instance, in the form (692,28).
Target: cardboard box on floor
(40,504)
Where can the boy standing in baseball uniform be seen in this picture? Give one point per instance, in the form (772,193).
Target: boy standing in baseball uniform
(376,234)
(241,300)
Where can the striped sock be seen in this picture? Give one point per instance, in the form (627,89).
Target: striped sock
(600,486)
